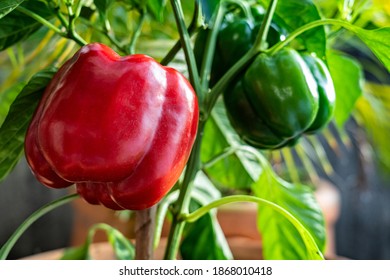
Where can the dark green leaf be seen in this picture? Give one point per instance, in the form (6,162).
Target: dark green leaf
(204,239)
(7,6)
(378,40)
(238,170)
(297,13)
(281,239)
(16,26)
(103,5)
(208,8)
(347,75)
(14,127)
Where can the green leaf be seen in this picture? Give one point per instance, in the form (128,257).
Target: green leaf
(208,8)
(123,248)
(77,253)
(281,239)
(14,127)
(378,40)
(7,6)
(16,26)
(103,5)
(156,7)
(297,13)
(204,239)
(238,170)
(7,97)
(347,75)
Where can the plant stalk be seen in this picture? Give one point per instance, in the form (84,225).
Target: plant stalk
(264,28)
(188,52)
(144,233)
(191,29)
(210,47)
(182,203)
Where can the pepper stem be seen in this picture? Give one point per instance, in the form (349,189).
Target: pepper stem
(182,204)
(144,233)
(264,28)
(187,47)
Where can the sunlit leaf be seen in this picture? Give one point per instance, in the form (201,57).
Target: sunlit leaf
(239,169)
(347,75)
(281,239)
(296,13)
(378,40)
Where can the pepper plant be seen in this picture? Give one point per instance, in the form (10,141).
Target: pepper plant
(88,106)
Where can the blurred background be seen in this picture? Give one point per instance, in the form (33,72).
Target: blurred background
(349,166)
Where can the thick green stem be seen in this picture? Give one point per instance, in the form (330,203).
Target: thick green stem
(4,251)
(210,47)
(264,28)
(183,201)
(188,52)
(213,95)
(72,34)
(192,28)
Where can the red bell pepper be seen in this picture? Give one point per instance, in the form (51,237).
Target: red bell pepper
(120,128)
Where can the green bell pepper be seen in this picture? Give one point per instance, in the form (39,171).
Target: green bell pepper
(236,36)
(279,98)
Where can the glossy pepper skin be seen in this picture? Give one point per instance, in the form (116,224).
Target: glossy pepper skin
(279,98)
(326,92)
(120,128)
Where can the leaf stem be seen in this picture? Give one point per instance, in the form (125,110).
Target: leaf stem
(307,27)
(41,20)
(4,251)
(137,32)
(220,86)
